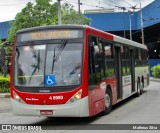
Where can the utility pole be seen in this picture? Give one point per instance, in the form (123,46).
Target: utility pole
(99,6)
(130,23)
(59,13)
(79,10)
(142,30)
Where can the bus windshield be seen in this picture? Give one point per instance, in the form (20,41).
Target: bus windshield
(56,64)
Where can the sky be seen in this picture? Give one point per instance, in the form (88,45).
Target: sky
(9,8)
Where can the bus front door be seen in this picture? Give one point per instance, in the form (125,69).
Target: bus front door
(118,66)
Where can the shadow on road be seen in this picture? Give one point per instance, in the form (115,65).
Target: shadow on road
(61,123)
(67,121)
(126,101)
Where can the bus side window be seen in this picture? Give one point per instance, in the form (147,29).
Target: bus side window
(136,56)
(94,60)
(144,57)
(126,61)
(109,60)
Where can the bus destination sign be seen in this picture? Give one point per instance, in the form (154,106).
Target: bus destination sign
(49,34)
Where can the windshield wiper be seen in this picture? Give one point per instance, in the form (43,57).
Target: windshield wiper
(56,56)
(38,60)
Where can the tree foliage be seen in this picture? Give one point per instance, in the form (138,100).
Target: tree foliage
(44,13)
(70,16)
(156,71)
(0,43)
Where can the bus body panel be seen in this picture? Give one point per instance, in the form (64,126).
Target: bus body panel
(45,98)
(126,84)
(75,109)
(142,73)
(97,96)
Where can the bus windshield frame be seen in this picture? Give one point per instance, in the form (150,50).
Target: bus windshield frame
(60,50)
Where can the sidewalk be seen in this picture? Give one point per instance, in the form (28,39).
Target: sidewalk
(4,95)
(154,79)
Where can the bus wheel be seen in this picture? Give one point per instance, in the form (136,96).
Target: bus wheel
(108,102)
(138,89)
(141,88)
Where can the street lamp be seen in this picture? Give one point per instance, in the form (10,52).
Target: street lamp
(130,23)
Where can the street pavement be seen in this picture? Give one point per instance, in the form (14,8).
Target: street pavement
(134,110)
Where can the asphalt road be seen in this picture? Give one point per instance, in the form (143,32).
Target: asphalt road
(134,110)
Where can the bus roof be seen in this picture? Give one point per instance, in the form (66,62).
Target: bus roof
(129,42)
(117,39)
(51,27)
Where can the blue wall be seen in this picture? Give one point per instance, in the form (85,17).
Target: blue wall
(4,27)
(111,21)
(152,11)
(120,21)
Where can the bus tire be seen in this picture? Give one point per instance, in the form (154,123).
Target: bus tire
(108,102)
(141,88)
(138,89)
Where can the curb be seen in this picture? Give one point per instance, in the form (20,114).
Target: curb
(4,95)
(155,79)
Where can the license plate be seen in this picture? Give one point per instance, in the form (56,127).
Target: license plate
(46,112)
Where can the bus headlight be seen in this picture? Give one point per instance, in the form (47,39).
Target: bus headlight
(17,98)
(75,97)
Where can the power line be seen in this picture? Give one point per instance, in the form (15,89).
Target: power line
(150,18)
(92,5)
(105,3)
(134,7)
(114,2)
(13,4)
(127,3)
(138,3)
(85,4)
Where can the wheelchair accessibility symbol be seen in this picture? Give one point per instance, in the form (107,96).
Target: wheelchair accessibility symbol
(50,80)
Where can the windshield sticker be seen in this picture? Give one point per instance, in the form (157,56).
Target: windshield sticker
(50,80)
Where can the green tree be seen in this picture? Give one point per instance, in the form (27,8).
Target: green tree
(156,71)
(70,16)
(44,13)
(0,43)
(0,55)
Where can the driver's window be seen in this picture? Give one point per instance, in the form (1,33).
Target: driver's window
(95,60)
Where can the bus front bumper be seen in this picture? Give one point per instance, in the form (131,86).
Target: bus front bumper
(64,110)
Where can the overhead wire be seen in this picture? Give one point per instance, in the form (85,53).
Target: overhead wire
(127,3)
(82,3)
(13,4)
(138,3)
(105,3)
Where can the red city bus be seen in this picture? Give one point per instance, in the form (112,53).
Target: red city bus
(74,71)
